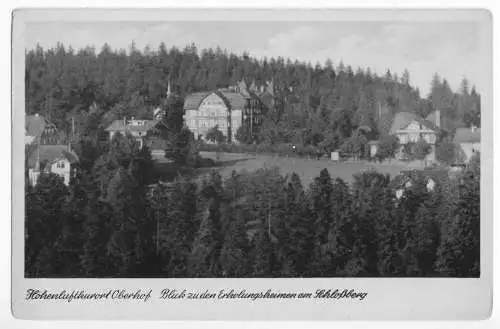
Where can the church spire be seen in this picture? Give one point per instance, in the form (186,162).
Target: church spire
(169,89)
(270,87)
(253,86)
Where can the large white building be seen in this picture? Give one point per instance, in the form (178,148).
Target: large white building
(228,108)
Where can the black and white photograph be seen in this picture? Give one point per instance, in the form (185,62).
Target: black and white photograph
(252,148)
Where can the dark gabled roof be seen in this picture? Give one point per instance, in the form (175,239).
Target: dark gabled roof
(120,125)
(402,119)
(34,125)
(193,101)
(446,124)
(49,153)
(432,117)
(398,181)
(37,125)
(466,135)
(236,101)
(266,98)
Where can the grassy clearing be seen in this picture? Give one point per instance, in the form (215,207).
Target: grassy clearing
(306,169)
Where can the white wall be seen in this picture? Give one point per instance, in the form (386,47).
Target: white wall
(414,131)
(212,112)
(62,167)
(470,149)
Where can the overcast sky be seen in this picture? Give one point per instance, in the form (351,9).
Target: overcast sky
(451,49)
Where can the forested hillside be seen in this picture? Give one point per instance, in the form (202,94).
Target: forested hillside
(322,103)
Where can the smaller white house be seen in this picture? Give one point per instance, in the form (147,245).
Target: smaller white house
(57,159)
(469,140)
(410,128)
(139,129)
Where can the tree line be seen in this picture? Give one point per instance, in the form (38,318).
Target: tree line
(110,222)
(318,106)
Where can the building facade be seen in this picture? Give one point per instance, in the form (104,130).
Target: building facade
(57,159)
(228,109)
(469,140)
(410,128)
(142,130)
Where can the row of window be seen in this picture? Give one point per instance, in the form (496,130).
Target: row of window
(213,112)
(405,138)
(209,123)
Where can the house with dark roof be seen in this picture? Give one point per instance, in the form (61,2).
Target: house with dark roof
(57,159)
(144,131)
(38,129)
(228,108)
(410,128)
(469,140)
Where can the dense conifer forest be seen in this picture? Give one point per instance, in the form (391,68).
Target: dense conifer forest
(111,222)
(320,105)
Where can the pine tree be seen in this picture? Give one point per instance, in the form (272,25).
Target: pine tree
(128,205)
(44,216)
(265,263)
(409,243)
(96,234)
(321,206)
(295,233)
(201,261)
(234,253)
(459,251)
(371,207)
(340,243)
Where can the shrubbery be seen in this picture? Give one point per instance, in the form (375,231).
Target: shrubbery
(276,149)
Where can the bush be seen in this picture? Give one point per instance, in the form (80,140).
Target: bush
(421,149)
(204,162)
(387,147)
(354,146)
(275,149)
(215,135)
(449,153)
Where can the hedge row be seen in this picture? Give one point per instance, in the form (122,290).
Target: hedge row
(275,149)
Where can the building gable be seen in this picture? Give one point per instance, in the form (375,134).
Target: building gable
(212,100)
(416,125)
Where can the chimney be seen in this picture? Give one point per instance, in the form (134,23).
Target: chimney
(438,118)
